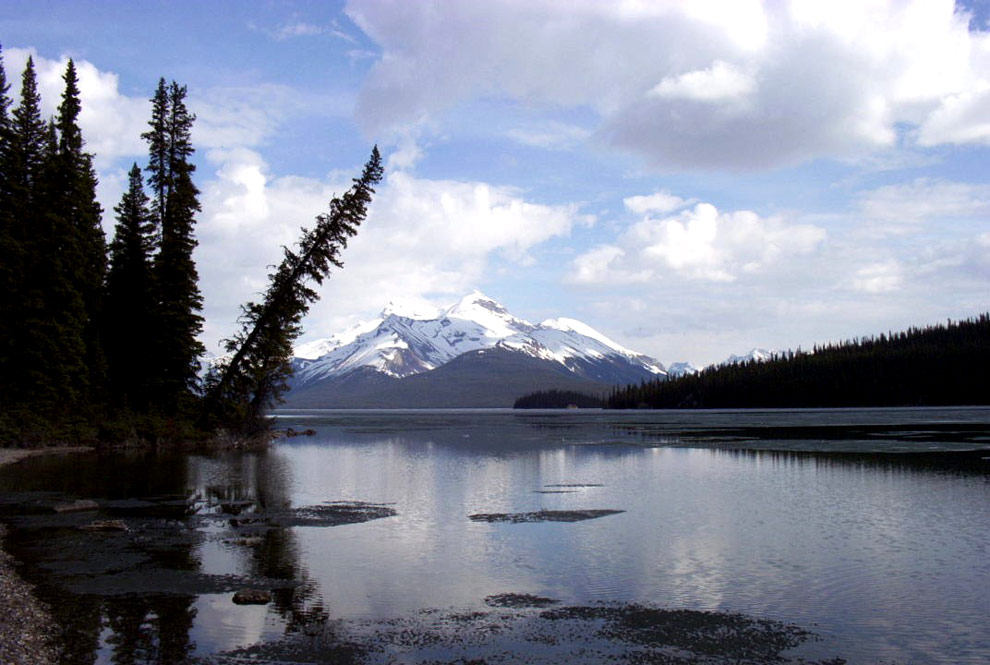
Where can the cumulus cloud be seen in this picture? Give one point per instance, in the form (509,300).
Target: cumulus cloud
(423,238)
(428,239)
(960,119)
(735,85)
(882,277)
(698,244)
(111,122)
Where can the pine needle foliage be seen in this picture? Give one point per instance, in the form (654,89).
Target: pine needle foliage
(254,378)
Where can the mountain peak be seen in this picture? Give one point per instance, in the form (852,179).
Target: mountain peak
(410,310)
(757,355)
(411,339)
(474,301)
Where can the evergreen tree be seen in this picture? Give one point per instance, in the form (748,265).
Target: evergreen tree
(175,205)
(159,169)
(10,250)
(129,313)
(254,379)
(73,198)
(47,369)
(25,150)
(4,87)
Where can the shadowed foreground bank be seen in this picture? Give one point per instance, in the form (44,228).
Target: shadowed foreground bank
(26,626)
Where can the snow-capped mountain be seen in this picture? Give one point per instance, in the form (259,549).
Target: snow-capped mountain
(758,355)
(675,370)
(402,344)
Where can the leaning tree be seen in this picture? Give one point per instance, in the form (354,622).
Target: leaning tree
(254,377)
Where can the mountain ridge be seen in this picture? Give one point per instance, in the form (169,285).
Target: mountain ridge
(395,360)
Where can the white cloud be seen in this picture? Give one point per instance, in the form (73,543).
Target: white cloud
(423,238)
(882,277)
(963,118)
(428,239)
(903,207)
(658,202)
(735,85)
(551,135)
(232,117)
(698,244)
(111,122)
(720,82)
(406,155)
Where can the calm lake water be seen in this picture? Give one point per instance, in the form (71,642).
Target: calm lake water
(879,546)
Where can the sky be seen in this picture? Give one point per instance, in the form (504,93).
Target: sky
(692,179)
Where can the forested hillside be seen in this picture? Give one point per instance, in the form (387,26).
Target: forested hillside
(933,366)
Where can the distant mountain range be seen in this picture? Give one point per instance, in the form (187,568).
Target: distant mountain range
(471,354)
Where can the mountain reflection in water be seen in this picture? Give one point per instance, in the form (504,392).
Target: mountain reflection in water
(364,530)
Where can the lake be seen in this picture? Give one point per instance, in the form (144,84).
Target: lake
(496,536)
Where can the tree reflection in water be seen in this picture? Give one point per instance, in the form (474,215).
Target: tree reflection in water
(157,494)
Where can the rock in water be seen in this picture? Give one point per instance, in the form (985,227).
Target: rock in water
(79,505)
(105,525)
(252,597)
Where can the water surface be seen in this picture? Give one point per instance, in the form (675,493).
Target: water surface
(877,541)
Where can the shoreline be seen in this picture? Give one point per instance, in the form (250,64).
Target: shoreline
(27,629)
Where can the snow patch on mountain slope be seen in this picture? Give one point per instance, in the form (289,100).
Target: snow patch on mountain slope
(758,355)
(400,345)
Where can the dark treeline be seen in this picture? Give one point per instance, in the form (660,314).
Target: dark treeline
(558,399)
(100,342)
(94,337)
(934,366)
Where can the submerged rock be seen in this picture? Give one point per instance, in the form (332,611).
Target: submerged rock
(544,516)
(77,506)
(105,525)
(334,513)
(252,597)
(517,600)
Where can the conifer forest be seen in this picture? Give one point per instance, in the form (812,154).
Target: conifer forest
(932,366)
(77,309)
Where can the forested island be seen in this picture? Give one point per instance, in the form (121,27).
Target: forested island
(939,365)
(78,312)
(558,399)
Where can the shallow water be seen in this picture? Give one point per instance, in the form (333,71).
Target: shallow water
(884,555)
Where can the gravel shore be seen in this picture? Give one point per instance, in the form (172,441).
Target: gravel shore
(26,626)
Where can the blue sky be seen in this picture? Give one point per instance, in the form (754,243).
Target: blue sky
(691,179)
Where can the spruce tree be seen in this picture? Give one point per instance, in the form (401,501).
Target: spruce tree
(10,258)
(243,388)
(75,202)
(129,305)
(159,171)
(47,368)
(175,204)
(26,140)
